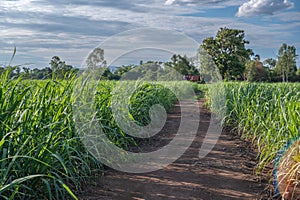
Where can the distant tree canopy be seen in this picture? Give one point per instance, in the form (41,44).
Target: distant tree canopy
(96,59)
(270,63)
(221,57)
(286,65)
(228,51)
(146,71)
(59,68)
(182,65)
(125,68)
(156,70)
(256,71)
(96,63)
(233,59)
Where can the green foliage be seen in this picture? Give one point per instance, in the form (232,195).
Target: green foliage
(124,69)
(266,114)
(41,155)
(149,95)
(298,72)
(59,68)
(228,52)
(182,65)
(250,70)
(151,71)
(208,69)
(261,73)
(96,59)
(270,63)
(286,65)
(104,97)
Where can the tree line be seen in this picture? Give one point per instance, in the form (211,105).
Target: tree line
(58,69)
(226,52)
(235,62)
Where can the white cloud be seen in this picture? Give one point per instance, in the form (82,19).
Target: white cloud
(26,6)
(71,28)
(259,7)
(169,2)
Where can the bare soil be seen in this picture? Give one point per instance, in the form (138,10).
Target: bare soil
(227,172)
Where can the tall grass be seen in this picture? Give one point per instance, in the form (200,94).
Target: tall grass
(266,114)
(41,154)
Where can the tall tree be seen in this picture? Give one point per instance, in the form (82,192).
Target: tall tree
(54,63)
(261,72)
(207,67)
(96,59)
(183,65)
(270,63)
(96,64)
(250,70)
(59,68)
(228,52)
(286,65)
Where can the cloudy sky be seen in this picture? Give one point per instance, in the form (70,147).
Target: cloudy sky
(70,29)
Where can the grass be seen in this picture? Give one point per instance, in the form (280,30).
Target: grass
(41,153)
(265,114)
(43,157)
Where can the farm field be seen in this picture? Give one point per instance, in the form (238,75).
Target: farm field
(268,115)
(142,100)
(42,156)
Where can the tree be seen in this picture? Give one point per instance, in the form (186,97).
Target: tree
(286,65)
(146,71)
(228,52)
(298,72)
(207,67)
(250,70)
(54,63)
(59,68)
(270,63)
(96,64)
(182,65)
(260,71)
(125,68)
(26,70)
(255,70)
(96,59)
(18,70)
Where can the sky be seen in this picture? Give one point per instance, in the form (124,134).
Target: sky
(70,29)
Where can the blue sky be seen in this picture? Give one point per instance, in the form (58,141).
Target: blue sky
(70,29)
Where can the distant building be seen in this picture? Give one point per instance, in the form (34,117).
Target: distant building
(193,78)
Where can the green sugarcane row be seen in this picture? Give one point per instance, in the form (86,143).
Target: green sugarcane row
(41,157)
(41,154)
(267,114)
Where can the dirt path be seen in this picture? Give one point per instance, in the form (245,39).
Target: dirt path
(226,173)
